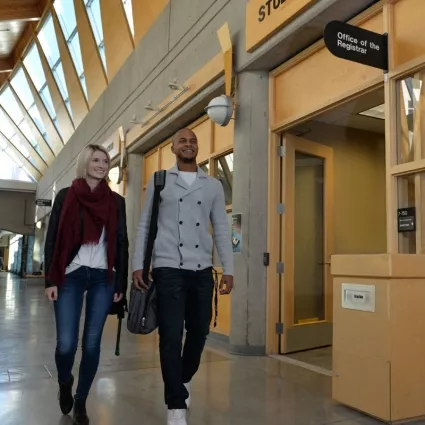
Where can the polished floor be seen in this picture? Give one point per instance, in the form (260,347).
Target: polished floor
(128,389)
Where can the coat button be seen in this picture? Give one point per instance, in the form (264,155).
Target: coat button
(199,202)
(181,264)
(197,224)
(181,200)
(199,266)
(197,246)
(181,244)
(180,222)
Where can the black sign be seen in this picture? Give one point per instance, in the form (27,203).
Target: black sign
(406,219)
(43,202)
(357,45)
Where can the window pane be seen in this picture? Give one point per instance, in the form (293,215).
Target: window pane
(68,23)
(5,126)
(49,44)
(129,12)
(205,167)
(66,14)
(410,126)
(47,99)
(9,103)
(93,10)
(35,115)
(22,89)
(60,78)
(33,65)
(9,169)
(50,47)
(224,173)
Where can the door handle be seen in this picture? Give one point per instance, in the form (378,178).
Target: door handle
(326,262)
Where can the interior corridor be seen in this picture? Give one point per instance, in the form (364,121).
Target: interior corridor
(227,390)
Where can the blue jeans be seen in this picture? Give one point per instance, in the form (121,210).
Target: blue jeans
(68,309)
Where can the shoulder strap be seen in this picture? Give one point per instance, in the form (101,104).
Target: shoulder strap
(159,183)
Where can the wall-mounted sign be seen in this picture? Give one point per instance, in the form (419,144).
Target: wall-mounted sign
(112,144)
(237,232)
(406,219)
(265,17)
(43,202)
(357,44)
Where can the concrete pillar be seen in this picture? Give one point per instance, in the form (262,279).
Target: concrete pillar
(133,200)
(248,310)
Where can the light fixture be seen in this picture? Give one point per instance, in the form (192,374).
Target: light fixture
(220,110)
(174,85)
(375,112)
(135,120)
(149,107)
(39,225)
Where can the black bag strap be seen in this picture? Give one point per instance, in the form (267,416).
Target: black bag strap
(159,183)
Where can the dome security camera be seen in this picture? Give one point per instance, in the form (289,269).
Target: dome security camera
(220,110)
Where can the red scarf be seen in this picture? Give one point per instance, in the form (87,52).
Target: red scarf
(99,209)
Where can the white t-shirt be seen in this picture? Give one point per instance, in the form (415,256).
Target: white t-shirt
(91,255)
(188,176)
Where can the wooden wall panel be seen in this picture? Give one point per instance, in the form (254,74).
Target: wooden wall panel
(150,166)
(65,123)
(52,133)
(96,80)
(145,13)
(408,34)
(303,88)
(168,159)
(224,136)
(203,132)
(117,35)
(76,94)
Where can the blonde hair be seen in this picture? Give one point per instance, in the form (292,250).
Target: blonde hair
(85,157)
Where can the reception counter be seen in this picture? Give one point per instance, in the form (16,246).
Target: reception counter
(379,334)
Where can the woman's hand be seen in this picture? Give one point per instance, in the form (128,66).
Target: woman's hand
(52,293)
(118,297)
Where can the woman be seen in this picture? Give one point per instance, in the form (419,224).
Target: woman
(86,250)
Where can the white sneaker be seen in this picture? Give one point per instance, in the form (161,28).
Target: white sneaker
(188,399)
(177,417)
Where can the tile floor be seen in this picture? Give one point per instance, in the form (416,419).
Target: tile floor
(128,390)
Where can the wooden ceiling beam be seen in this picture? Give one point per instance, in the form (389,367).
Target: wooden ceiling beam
(19,13)
(6,65)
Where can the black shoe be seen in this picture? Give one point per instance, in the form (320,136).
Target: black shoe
(66,401)
(80,413)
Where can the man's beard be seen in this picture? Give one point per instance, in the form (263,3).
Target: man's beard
(187,160)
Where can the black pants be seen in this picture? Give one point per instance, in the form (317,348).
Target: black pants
(184,297)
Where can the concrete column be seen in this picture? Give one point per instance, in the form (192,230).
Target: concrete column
(133,200)
(248,311)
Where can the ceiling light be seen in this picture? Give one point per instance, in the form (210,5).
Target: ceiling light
(175,86)
(149,107)
(375,112)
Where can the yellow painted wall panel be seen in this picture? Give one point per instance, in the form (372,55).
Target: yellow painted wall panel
(203,133)
(76,94)
(94,71)
(117,36)
(145,13)
(223,136)
(409,36)
(320,79)
(150,166)
(168,159)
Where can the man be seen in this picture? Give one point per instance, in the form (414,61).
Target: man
(182,271)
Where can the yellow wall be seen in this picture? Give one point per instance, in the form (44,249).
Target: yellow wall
(359,181)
